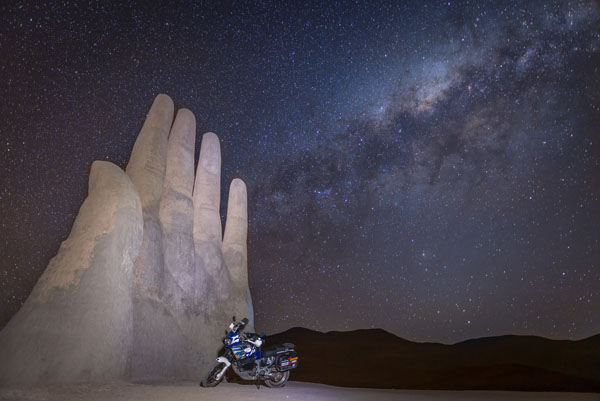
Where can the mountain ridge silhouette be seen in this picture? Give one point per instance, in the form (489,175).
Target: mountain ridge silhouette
(375,358)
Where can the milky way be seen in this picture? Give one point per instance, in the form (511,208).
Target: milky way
(431,168)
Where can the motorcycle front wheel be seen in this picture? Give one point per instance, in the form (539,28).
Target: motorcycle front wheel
(278,379)
(210,378)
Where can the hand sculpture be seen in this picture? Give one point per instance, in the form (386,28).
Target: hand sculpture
(187,272)
(145,282)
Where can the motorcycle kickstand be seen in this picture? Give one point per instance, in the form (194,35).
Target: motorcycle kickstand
(257,383)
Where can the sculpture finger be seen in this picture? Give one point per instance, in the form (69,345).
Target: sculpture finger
(211,279)
(147,163)
(235,250)
(207,191)
(176,212)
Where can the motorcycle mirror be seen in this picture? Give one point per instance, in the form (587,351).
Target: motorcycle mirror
(234,318)
(263,335)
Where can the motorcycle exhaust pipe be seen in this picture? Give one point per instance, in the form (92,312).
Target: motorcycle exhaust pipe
(227,365)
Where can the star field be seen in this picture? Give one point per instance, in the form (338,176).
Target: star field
(429,168)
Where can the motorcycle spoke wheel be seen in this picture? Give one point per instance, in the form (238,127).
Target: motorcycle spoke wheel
(210,378)
(278,379)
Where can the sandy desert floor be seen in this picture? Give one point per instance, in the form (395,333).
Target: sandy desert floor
(294,391)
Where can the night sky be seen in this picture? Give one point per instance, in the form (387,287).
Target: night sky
(430,167)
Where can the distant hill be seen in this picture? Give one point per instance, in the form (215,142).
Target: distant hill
(377,359)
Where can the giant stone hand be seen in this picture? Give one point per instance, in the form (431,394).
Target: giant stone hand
(145,282)
(189,279)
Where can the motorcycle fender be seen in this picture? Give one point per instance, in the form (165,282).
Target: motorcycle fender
(224,360)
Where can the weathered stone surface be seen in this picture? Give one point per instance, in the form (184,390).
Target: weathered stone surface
(76,325)
(180,314)
(166,321)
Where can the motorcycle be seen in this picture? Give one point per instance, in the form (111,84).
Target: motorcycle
(244,354)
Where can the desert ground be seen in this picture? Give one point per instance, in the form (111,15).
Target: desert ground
(294,391)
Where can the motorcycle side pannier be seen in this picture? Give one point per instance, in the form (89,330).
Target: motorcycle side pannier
(287,361)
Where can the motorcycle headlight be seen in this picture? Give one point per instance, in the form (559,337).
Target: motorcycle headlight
(227,341)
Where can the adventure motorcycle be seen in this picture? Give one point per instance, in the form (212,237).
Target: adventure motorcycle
(249,361)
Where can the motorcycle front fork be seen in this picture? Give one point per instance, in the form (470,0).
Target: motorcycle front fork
(224,360)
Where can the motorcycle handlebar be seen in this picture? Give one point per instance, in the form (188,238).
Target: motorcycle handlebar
(240,326)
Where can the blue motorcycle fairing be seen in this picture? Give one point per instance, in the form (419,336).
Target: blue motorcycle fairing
(242,350)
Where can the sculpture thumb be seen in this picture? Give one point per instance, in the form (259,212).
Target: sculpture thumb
(76,324)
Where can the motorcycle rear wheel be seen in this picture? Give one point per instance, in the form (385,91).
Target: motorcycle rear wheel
(210,378)
(278,379)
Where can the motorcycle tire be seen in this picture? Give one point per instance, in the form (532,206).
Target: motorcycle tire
(278,379)
(210,378)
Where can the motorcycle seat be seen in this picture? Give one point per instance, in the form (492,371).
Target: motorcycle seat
(277,349)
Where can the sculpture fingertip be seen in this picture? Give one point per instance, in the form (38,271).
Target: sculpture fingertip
(103,165)
(186,114)
(210,136)
(238,184)
(99,170)
(164,99)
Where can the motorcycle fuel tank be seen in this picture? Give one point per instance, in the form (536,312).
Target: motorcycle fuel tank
(241,351)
